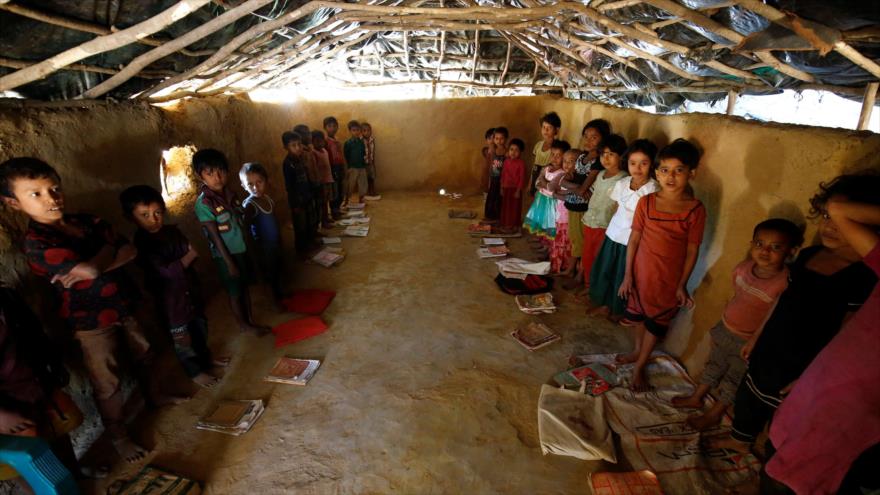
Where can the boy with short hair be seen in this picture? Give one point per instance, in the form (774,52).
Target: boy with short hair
(259,215)
(319,145)
(167,257)
(311,162)
(370,158)
(513,178)
(337,165)
(299,194)
(219,213)
(79,254)
(355,156)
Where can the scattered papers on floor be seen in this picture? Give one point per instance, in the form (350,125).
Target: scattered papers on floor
(356,231)
(633,483)
(153,481)
(331,240)
(292,371)
(453,213)
(517,265)
(534,335)
(492,252)
(356,206)
(374,197)
(362,220)
(536,304)
(308,301)
(233,417)
(354,214)
(329,256)
(493,241)
(298,329)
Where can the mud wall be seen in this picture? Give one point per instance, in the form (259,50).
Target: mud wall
(749,171)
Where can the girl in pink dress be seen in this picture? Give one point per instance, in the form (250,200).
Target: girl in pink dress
(540,220)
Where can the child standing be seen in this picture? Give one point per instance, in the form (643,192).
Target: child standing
(370,145)
(560,252)
(337,165)
(167,257)
(80,256)
(486,153)
(492,209)
(827,283)
(578,192)
(550,124)
(259,216)
(299,192)
(319,144)
(313,213)
(219,213)
(757,284)
(541,218)
(609,266)
(355,152)
(512,182)
(666,234)
(595,220)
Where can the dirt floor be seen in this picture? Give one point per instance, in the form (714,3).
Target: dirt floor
(421,390)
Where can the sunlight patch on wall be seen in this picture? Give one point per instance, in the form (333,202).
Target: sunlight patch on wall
(176,177)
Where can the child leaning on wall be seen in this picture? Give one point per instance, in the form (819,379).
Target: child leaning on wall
(370,156)
(81,256)
(219,212)
(299,193)
(337,165)
(355,158)
(167,258)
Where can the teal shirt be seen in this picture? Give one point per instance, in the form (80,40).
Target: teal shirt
(228,223)
(355,153)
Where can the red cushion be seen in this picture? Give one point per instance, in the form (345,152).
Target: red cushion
(298,329)
(308,301)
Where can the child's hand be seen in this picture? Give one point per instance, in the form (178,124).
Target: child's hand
(684,299)
(12,422)
(625,287)
(80,272)
(746,350)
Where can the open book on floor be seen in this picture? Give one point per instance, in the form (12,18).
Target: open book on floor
(292,371)
(534,335)
(331,240)
(356,206)
(493,241)
(536,303)
(354,214)
(233,417)
(493,252)
(356,231)
(353,221)
(329,256)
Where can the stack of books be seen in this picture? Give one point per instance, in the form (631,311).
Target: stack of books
(361,220)
(477,228)
(493,241)
(356,206)
(354,214)
(534,336)
(331,240)
(356,231)
(329,256)
(292,371)
(536,304)
(232,417)
(493,252)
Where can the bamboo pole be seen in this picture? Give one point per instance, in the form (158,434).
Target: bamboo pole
(142,61)
(657,60)
(476,54)
(867,106)
(442,53)
(731,101)
(101,44)
(82,26)
(506,64)
(406,53)
(153,74)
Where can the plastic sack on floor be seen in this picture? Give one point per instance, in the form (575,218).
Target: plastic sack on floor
(573,424)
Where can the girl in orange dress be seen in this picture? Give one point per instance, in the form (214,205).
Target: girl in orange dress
(666,234)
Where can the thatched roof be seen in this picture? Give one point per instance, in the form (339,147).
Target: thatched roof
(626,52)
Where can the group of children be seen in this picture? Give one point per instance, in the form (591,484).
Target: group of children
(82,258)
(623,221)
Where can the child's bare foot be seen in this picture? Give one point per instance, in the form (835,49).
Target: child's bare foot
(727,442)
(626,358)
(222,361)
(128,450)
(701,422)
(205,380)
(599,311)
(615,318)
(687,402)
(640,381)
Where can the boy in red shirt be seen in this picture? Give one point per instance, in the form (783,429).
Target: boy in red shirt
(337,165)
(512,182)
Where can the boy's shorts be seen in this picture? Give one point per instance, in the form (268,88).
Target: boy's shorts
(357,177)
(234,286)
(371,171)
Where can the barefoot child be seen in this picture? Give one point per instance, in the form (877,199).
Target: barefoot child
(541,218)
(512,182)
(827,284)
(319,145)
(370,145)
(666,234)
(609,266)
(492,209)
(167,257)
(486,153)
(337,165)
(259,216)
(757,284)
(219,212)
(80,255)
(550,124)
(560,251)
(355,158)
(579,189)
(313,213)
(299,191)
(595,220)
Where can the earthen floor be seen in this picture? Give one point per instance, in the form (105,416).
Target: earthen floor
(422,390)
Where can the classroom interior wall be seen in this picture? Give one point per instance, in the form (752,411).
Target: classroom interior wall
(750,171)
